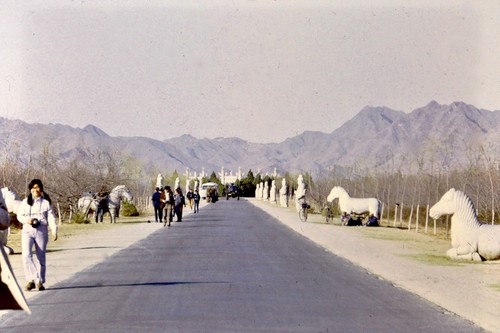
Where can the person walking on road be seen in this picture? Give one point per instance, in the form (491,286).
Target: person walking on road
(167,199)
(36,215)
(189,197)
(157,205)
(196,200)
(180,203)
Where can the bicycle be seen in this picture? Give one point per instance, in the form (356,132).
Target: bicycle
(303,212)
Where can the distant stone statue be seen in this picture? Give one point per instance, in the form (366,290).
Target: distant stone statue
(300,193)
(177,183)
(257,191)
(265,193)
(284,193)
(470,238)
(261,190)
(196,185)
(9,203)
(349,205)
(159,181)
(272,193)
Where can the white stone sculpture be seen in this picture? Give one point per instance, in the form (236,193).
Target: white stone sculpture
(9,203)
(470,238)
(300,193)
(272,193)
(261,188)
(265,193)
(159,181)
(350,205)
(284,193)
(177,183)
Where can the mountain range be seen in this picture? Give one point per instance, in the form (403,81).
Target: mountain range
(434,136)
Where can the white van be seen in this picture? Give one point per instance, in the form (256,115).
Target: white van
(205,186)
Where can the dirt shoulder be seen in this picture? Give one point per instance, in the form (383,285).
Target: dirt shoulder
(412,261)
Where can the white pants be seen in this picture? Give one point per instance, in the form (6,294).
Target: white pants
(34,269)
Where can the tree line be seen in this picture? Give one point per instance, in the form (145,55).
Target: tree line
(68,181)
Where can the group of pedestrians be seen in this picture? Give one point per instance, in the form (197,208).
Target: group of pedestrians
(167,204)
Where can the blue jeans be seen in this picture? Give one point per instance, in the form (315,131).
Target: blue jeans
(38,237)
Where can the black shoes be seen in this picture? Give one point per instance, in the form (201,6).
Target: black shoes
(30,286)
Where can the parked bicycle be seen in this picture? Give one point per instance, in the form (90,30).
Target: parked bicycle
(303,209)
(328,214)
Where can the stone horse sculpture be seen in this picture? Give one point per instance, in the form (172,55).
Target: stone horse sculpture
(11,295)
(88,203)
(470,238)
(9,203)
(350,205)
(114,199)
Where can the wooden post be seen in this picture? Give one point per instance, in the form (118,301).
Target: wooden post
(382,212)
(416,219)
(447,222)
(395,214)
(426,219)
(411,216)
(401,216)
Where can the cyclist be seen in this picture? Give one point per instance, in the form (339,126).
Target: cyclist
(303,206)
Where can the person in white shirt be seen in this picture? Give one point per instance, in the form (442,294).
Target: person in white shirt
(36,215)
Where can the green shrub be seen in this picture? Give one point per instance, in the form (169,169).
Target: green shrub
(79,218)
(129,209)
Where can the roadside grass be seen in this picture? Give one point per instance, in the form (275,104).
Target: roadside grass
(495,287)
(435,260)
(428,249)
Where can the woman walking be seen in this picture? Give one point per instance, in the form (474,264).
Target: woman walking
(180,203)
(36,215)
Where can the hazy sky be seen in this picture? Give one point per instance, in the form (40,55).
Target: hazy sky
(259,70)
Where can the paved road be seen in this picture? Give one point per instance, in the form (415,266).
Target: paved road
(232,268)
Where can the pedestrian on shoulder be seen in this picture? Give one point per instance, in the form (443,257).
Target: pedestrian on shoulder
(102,205)
(37,216)
(157,205)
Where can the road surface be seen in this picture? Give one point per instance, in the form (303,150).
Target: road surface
(231,268)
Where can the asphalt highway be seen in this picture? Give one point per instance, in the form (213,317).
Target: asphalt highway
(231,268)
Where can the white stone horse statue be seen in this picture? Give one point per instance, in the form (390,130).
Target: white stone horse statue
(470,238)
(89,203)
(118,194)
(350,205)
(9,203)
